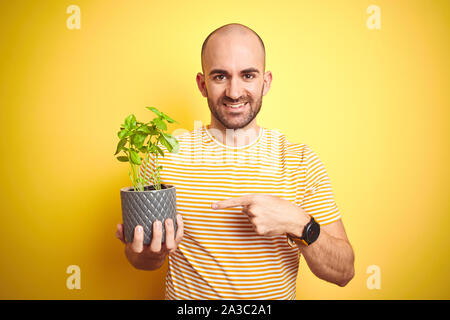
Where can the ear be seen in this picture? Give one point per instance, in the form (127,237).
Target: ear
(201,83)
(267,82)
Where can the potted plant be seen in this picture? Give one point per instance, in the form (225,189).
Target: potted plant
(147,200)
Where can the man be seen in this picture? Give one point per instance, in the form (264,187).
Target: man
(249,202)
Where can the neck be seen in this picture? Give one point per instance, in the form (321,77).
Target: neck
(234,137)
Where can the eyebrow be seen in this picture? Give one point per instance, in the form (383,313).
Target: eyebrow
(221,71)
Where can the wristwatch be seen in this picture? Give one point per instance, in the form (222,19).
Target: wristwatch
(310,234)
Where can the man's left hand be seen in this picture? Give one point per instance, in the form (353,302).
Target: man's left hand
(269,215)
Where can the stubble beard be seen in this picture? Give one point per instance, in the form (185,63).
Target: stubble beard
(236,121)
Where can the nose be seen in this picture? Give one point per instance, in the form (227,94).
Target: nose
(234,89)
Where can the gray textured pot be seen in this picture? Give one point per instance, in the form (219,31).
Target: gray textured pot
(145,207)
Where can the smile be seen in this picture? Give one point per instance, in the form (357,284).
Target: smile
(235,106)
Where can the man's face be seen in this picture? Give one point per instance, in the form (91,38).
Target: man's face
(233,82)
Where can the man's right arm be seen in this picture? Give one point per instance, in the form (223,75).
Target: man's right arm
(152,257)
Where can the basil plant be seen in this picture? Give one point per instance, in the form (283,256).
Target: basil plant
(138,138)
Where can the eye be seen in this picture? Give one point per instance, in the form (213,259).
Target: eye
(220,75)
(249,74)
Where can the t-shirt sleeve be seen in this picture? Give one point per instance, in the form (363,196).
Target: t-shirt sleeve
(318,200)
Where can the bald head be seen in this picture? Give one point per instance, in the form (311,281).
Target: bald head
(232,31)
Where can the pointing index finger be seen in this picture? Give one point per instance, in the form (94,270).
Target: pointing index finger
(232,202)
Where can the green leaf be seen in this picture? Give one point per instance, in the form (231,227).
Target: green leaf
(171,141)
(155,111)
(144,129)
(164,142)
(160,124)
(169,119)
(124,133)
(130,122)
(175,148)
(135,157)
(160,151)
(120,145)
(122,159)
(138,139)
(153,130)
(143,149)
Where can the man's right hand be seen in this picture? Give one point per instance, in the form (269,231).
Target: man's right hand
(152,256)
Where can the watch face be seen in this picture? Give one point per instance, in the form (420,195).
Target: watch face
(313,232)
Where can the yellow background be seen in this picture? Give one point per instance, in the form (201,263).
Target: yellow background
(374,104)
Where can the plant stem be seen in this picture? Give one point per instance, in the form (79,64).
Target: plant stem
(133,170)
(135,182)
(158,181)
(146,162)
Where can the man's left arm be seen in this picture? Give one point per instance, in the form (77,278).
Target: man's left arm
(330,257)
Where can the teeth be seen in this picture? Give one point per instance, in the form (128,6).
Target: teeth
(235,105)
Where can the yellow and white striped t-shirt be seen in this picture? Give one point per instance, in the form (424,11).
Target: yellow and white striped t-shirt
(221,256)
